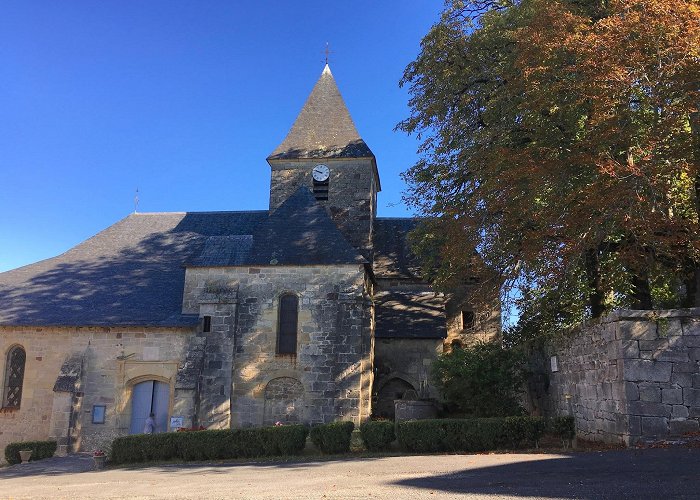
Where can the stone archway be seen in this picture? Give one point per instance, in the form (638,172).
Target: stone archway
(394,388)
(284,401)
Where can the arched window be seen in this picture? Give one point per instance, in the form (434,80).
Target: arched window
(14,377)
(287,328)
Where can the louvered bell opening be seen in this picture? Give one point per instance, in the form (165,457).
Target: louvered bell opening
(321,190)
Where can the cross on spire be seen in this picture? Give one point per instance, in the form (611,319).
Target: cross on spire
(327,51)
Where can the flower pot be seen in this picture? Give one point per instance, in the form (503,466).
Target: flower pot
(99,461)
(24,455)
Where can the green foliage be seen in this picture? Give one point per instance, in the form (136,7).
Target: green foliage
(40,449)
(332,438)
(468,435)
(484,380)
(377,435)
(558,146)
(563,427)
(210,445)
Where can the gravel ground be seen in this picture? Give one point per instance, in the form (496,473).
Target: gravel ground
(652,473)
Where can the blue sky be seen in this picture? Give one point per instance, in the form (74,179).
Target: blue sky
(183,100)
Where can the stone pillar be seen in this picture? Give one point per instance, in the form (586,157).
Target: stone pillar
(352,359)
(217,367)
(62,412)
(187,383)
(59,428)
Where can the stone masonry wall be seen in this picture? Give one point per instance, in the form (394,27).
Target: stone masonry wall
(112,360)
(351,193)
(408,360)
(333,360)
(633,376)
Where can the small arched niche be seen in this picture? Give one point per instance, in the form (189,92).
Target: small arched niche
(284,401)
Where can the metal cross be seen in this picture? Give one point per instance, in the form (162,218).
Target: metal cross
(327,52)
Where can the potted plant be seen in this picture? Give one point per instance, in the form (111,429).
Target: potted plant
(99,458)
(24,455)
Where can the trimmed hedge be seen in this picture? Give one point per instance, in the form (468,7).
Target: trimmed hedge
(377,435)
(332,438)
(468,435)
(563,427)
(40,449)
(210,445)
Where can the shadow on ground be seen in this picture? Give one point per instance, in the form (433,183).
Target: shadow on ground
(71,464)
(82,462)
(658,473)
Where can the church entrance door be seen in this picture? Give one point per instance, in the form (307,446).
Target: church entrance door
(149,397)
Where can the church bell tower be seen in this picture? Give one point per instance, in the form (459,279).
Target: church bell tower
(324,152)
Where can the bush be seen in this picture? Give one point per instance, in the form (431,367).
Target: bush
(563,427)
(468,435)
(40,449)
(332,438)
(377,435)
(484,380)
(528,429)
(210,445)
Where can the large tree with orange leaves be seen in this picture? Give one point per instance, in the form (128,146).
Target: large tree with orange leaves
(557,140)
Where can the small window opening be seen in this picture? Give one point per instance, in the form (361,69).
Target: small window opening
(468,320)
(321,190)
(206,325)
(14,377)
(287,328)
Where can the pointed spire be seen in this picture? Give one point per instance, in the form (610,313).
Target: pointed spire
(324,128)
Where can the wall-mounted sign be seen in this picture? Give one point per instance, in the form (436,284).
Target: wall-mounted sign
(98,414)
(176,423)
(553,363)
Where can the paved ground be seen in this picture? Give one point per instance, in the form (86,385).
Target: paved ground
(656,473)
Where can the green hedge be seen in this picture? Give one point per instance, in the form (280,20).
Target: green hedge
(563,427)
(210,445)
(333,438)
(40,449)
(468,435)
(377,435)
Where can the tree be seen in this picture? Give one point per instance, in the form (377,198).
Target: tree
(557,142)
(484,380)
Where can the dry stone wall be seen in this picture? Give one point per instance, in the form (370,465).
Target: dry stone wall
(633,376)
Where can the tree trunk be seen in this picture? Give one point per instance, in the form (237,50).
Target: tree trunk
(641,294)
(595,294)
(692,287)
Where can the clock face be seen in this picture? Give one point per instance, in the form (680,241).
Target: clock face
(321,173)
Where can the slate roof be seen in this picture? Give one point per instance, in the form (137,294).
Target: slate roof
(392,254)
(419,315)
(323,128)
(133,272)
(300,232)
(129,274)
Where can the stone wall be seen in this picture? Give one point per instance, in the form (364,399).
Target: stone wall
(57,401)
(333,361)
(633,376)
(352,192)
(402,364)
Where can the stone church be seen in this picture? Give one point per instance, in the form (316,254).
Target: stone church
(311,311)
